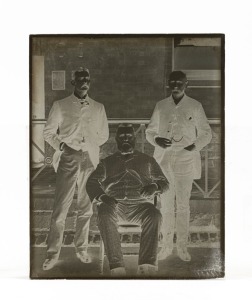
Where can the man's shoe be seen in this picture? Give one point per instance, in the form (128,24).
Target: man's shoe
(147,270)
(164,253)
(118,272)
(183,254)
(84,257)
(49,263)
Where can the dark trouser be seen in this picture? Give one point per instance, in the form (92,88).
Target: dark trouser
(74,168)
(144,214)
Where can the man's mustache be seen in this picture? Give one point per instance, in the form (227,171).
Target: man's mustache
(126,147)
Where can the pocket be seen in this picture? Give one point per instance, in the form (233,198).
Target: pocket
(56,159)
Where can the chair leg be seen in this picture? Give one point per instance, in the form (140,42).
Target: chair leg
(101,257)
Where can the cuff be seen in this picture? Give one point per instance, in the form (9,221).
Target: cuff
(158,187)
(61,146)
(155,136)
(99,197)
(56,143)
(197,146)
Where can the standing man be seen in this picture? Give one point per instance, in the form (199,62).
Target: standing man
(178,129)
(124,185)
(76,127)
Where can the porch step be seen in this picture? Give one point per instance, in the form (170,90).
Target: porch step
(204,239)
(204,222)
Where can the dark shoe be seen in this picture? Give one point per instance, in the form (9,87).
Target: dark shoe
(50,262)
(147,270)
(84,257)
(118,272)
(183,254)
(164,253)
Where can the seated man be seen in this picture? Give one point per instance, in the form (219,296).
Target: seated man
(124,184)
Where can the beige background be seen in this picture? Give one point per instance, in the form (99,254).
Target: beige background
(19,19)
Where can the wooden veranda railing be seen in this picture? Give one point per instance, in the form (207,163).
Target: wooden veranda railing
(140,131)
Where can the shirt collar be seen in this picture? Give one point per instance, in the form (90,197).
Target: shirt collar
(181,102)
(77,100)
(119,155)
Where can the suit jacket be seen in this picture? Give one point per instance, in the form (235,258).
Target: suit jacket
(186,122)
(123,178)
(79,127)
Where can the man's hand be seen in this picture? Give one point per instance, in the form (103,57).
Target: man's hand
(163,142)
(108,200)
(190,147)
(149,190)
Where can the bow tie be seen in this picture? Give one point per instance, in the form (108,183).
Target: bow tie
(84,102)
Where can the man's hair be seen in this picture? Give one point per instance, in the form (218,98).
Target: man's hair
(81,71)
(175,75)
(125,125)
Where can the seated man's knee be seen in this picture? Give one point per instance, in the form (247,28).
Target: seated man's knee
(158,215)
(106,214)
(105,209)
(154,213)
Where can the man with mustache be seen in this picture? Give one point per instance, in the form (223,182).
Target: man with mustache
(76,127)
(178,130)
(124,185)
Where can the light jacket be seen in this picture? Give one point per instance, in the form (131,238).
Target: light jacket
(80,127)
(185,122)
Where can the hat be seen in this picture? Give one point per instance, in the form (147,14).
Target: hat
(176,75)
(125,127)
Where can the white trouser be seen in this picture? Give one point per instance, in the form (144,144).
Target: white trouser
(74,168)
(178,168)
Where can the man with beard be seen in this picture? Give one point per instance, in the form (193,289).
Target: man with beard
(124,185)
(76,127)
(178,130)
